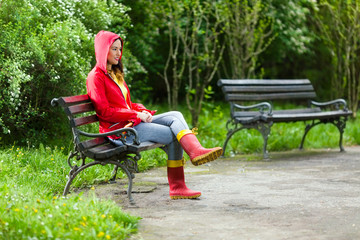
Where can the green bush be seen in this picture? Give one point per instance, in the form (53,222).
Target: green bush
(46,51)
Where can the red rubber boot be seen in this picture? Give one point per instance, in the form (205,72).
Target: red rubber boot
(197,153)
(176,178)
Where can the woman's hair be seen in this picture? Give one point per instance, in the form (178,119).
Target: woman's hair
(116,71)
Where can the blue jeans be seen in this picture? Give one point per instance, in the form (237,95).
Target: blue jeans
(163,129)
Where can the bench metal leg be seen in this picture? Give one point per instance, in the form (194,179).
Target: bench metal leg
(74,172)
(264,129)
(307,129)
(228,136)
(231,126)
(130,177)
(124,164)
(340,123)
(114,172)
(129,165)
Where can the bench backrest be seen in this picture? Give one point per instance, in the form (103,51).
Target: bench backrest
(80,112)
(237,90)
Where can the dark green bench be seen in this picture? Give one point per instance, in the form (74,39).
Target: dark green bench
(251,104)
(95,148)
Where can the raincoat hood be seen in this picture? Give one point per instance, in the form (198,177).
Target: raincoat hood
(103,42)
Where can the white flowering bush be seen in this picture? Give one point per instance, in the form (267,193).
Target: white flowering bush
(46,51)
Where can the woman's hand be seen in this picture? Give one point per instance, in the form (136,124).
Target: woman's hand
(145,116)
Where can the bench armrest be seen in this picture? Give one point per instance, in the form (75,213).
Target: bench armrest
(261,106)
(122,132)
(336,103)
(55,102)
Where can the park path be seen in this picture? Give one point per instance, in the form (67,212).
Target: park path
(296,195)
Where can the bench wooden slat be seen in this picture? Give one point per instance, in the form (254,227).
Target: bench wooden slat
(297,111)
(240,114)
(92,143)
(270,96)
(68,101)
(267,89)
(81,108)
(83,120)
(106,151)
(307,116)
(289,116)
(144,146)
(262,82)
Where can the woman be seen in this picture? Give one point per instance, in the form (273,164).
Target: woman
(111,97)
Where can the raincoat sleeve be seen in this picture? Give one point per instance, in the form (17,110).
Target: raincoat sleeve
(97,94)
(139,107)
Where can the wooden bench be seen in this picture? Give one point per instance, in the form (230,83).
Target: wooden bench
(259,114)
(97,147)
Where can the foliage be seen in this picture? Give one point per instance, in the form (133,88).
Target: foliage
(46,51)
(194,29)
(339,25)
(295,51)
(145,41)
(293,35)
(247,35)
(176,59)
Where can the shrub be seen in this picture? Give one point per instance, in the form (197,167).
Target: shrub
(46,51)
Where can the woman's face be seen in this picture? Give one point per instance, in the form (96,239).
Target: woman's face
(114,53)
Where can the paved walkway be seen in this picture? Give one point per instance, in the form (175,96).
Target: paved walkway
(296,195)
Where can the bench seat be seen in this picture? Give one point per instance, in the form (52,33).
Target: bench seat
(287,116)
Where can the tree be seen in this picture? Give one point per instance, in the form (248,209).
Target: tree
(292,53)
(144,41)
(248,34)
(204,52)
(173,12)
(194,29)
(339,25)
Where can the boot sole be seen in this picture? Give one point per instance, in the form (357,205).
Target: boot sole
(208,157)
(185,197)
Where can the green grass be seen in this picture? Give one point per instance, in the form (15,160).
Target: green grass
(32,179)
(23,216)
(31,207)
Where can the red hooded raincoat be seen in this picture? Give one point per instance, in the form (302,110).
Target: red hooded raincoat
(106,95)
